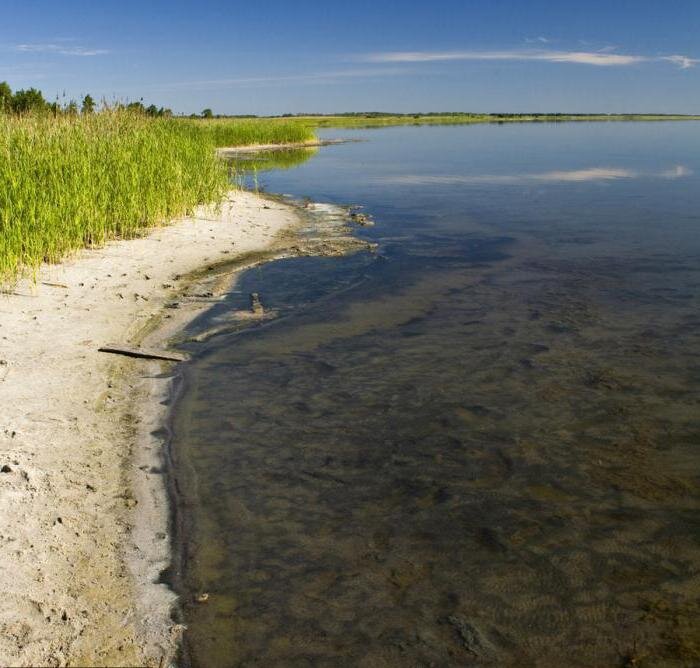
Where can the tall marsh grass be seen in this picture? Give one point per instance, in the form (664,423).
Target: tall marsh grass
(76,181)
(232,132)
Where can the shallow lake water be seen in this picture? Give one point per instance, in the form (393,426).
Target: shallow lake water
(477,445)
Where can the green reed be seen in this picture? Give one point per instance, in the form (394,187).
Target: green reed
(76,181)
(236,132)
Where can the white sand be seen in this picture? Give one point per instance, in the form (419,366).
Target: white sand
(83,531)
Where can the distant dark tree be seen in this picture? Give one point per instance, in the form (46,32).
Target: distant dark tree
(54,108)
(25,101)
(207,113)
(5,97)
(152,110)
(136,106)
(88,105)
(72,108)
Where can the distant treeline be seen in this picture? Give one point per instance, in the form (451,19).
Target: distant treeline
(32,100)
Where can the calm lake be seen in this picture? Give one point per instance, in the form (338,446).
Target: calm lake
(477,445)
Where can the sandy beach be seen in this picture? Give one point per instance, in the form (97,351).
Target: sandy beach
(82,492)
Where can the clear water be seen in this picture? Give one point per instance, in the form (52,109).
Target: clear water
(477,446)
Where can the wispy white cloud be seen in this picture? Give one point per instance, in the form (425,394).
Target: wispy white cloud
(682,61)
(60,49)
(590,174)
(537,40)
(312,77)
(602,58)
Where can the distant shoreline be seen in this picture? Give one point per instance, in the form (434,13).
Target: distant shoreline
(371,119)
(485,119)
(366,122)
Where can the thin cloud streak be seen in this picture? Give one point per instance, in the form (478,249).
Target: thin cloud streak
(314,77)
(590,174)
(60,49)
(604,58)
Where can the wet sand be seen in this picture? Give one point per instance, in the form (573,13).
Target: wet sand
(85,535)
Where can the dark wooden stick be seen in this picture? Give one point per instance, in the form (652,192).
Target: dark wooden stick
(145,354)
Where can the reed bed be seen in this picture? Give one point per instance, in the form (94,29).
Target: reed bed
(78,181)
(233,132)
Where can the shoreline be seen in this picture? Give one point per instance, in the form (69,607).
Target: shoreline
(87,531)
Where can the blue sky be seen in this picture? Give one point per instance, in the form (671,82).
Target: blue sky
(274,56)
